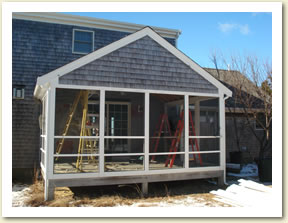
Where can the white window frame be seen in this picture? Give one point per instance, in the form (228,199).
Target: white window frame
(73,41)
(129,117)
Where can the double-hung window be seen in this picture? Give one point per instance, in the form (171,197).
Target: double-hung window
(83,41)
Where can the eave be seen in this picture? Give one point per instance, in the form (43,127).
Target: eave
(84,21)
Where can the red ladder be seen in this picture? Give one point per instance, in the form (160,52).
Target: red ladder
(176,141)
(177,138)
(158,131)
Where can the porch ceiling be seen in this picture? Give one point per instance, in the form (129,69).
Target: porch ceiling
(168,98)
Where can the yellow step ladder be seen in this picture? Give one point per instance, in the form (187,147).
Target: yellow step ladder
(68,122)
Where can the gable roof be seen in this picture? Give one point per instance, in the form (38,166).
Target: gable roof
(234,79)
(142,64)
(147,31)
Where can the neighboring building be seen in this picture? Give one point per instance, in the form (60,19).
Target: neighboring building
(248,144)
(102,91)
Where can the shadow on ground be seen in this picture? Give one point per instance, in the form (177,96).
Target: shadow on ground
(159,189)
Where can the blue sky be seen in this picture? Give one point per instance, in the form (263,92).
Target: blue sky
(232,33)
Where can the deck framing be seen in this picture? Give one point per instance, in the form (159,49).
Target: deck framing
(134,179)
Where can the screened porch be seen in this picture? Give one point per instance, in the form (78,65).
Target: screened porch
(105,132)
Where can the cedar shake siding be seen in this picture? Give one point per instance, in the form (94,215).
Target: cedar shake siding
(142,64)
(39,48)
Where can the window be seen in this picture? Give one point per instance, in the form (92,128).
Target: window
(83,41)
(260,121)
(18,92)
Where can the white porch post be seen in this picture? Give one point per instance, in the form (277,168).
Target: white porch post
(147,126)
(186,128)
(46,101)
(222,135)
(197,121)
(197,118)
(49,188)
(102,132)
(146,141)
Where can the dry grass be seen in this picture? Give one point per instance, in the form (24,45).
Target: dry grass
(110,196)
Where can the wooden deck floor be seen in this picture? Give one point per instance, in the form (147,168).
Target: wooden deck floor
(92,167)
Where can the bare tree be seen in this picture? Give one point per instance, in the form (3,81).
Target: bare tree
(251,83)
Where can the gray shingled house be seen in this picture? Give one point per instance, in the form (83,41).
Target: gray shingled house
(241,141)
(123,111)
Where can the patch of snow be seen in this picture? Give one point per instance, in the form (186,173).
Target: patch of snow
(19,194)
(249,170)
(185,202)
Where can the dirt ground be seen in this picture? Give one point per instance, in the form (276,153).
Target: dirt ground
(183,193)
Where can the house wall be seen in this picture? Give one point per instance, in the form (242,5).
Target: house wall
(38,48)
(142,64)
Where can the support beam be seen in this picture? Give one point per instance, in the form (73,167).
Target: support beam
(50,132)
(222,135)
(221,181)
(49,190)
(46,160)
(197,122)
(186,129)
(51,97)
(146,131)
(192,100)
(197,118)
(145,189)
(141,178)
(49,166)
(102,130)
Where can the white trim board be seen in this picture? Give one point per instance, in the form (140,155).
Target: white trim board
(135,173)
(147,31)
(137,90)
(84,21)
